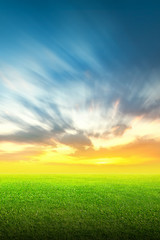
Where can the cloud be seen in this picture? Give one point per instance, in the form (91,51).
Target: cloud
(32,134)
(141,95)
(79,140)
(119,130)
(48,97)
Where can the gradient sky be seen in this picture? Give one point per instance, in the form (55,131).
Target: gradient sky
(79,86)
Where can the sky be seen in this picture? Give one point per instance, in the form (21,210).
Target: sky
(79,86)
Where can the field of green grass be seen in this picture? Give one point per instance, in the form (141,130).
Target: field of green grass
(79,207)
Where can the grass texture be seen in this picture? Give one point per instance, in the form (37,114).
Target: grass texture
(79,207)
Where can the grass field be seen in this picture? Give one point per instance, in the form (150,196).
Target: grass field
(79,207)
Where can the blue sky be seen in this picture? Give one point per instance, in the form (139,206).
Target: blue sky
(79,74)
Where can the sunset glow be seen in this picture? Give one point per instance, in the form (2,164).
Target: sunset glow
(74,96)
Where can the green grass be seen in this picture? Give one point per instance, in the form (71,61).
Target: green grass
(79,207)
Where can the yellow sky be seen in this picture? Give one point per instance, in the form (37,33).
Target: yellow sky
(133,151)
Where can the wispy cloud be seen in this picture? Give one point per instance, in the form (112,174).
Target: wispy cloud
(81,91)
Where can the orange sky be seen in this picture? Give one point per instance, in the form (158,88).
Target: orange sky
(128,153)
